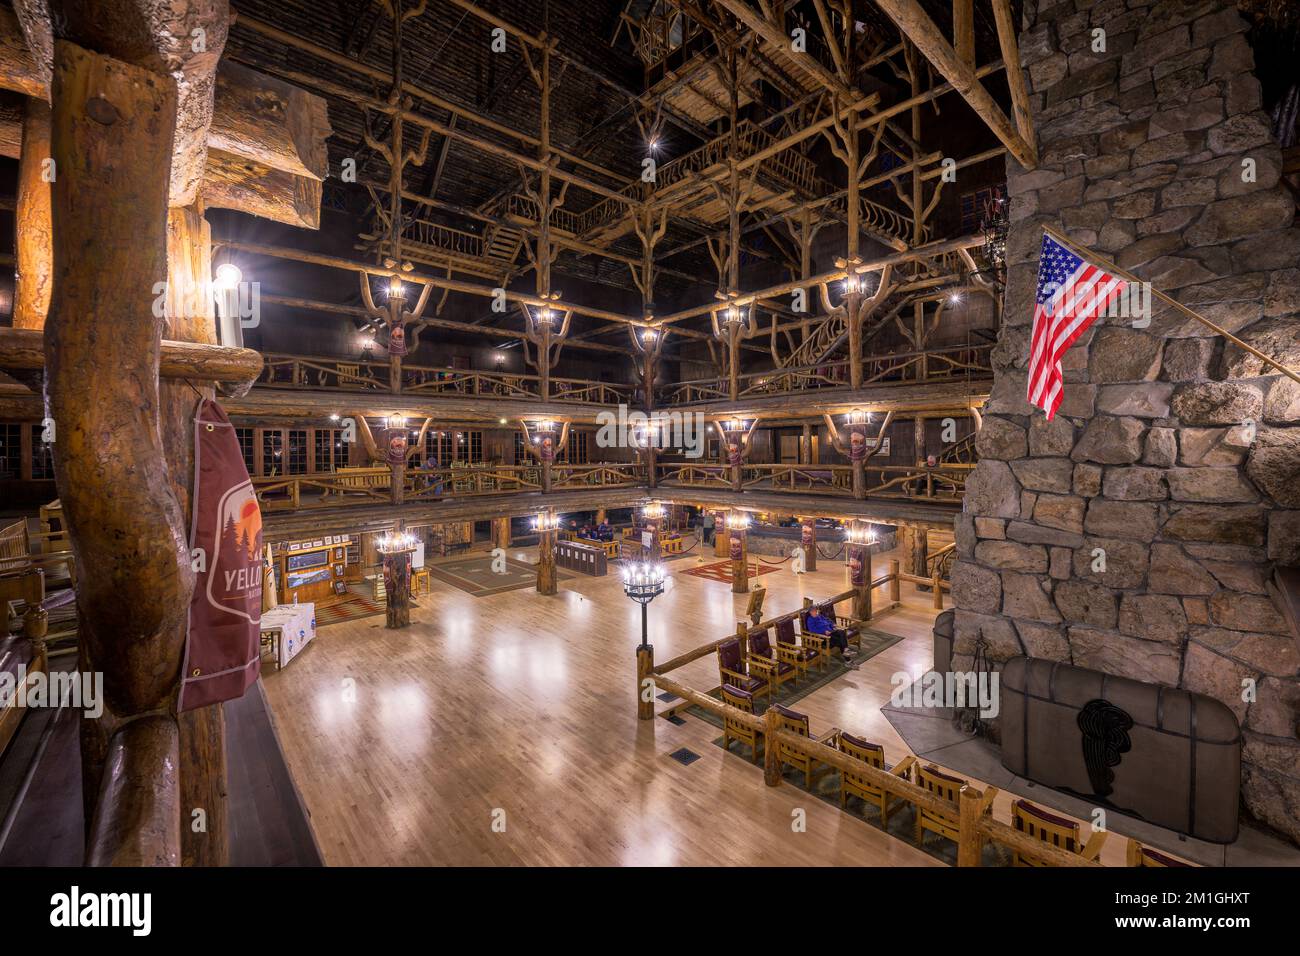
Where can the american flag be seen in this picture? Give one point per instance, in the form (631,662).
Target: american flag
(1071,294)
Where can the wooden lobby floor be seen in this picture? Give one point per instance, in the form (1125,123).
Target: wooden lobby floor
(405,743)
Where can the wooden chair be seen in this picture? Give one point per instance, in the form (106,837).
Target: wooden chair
(851,628)
(733,729)
(798,723)
(763,661)
(731,668)
(794,654)
(873,755)
(1050,828)
(946,787)
(1139,855)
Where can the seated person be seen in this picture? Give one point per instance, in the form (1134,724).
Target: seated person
(604,532)
(818,623)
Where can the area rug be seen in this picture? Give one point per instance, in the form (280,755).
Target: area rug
(352,606)
(721,571)
(475,575)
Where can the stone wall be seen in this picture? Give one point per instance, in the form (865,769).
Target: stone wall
(1173,452)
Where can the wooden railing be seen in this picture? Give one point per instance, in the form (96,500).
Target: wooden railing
(360,375)
(973,809)
(374,484)
(944,483)
(932,365)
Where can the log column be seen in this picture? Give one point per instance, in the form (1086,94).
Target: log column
(721,536)
(857,556)
(111,139)
(34,252)
(645,665)
(397,586)
(739,561)
(808,541)
(501,533)
(547,577)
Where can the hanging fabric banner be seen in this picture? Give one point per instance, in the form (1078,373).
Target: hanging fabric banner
(222,640)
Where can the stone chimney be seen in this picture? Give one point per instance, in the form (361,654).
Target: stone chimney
(1134,533)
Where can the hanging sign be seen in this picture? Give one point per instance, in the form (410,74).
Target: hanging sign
(222,640)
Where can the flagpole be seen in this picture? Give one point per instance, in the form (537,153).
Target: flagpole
(1087,253)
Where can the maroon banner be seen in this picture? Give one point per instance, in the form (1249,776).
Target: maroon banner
(222,631)
(857,442)
(396,441)
(806,536)
(736,541)
(396,340)
(735,452)
(546,447)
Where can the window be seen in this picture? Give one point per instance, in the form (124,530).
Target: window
(272,454)
(245,439)
(521,454)
(976,207)
(575,453)
(11,450)
(329,449)
(297,451)
(460,446)
(42,456)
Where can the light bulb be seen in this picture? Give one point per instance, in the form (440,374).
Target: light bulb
(228,276)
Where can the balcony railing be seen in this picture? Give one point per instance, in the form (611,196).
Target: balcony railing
(369,375)
(933,365)
(945,483)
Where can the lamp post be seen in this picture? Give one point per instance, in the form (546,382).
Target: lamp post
(643,582)
(396,549)
(653,516)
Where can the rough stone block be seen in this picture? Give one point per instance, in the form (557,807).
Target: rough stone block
(1119,563)
(992,491)
(1217,403)
(1139,399)
(1187,360)
(1025,596)
(1219,524)
(1135,484)
(1274,465)
(1081,602)
(1012,556)
(1001,439)
(1160,448)
(1087,480)
(1118,354)
(1154,617)
(975,588)
(1111,440)
(1209,484)
(1121,519)
(1113,653)
(1173,571)
(1214,446)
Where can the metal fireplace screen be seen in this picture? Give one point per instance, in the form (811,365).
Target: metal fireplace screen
(1163,755)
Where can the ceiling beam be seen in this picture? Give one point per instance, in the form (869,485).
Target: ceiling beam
(917,26)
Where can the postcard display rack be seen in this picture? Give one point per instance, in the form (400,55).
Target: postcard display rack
(311,570)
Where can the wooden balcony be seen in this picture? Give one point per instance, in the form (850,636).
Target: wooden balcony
(973,362)
(944,483)
(369,375)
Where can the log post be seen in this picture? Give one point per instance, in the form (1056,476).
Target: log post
(771,749)
(808,541)
(501,533)
(547,578)
(858,559)
(111,139)
(739,562)
(397,588)
(935,583)
(895,583)
(742,633)
(721,536)
(645,665)
(969,803)
(920,550)
(33,253)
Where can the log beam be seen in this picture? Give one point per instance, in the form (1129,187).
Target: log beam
(23,349)
(917,26)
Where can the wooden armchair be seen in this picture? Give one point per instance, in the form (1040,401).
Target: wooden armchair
(850,627)
(798,723)
(1139,855)
(733,729)
(873,755)
(732,673)
(1050,828)
(764,662)
(794,654)
(946,787)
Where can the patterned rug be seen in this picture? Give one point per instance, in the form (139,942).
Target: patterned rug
(475,575)
(721,571)
(346,607)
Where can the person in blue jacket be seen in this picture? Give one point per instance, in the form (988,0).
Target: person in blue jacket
(818,623)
